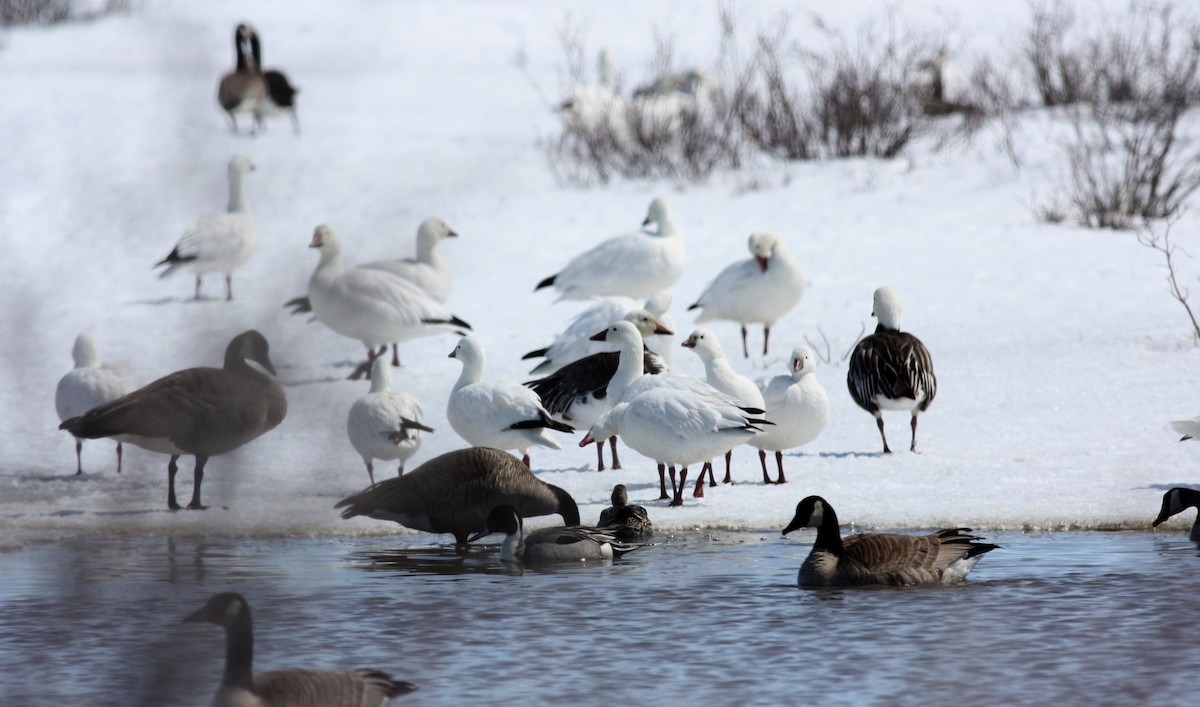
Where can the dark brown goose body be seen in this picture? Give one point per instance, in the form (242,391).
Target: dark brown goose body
(453,493)
(624,521)
(202,412)
(243,90)
(891,369)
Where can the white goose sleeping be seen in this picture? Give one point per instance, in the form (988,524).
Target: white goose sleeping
(385,423)
(218,242)
(372,306)
(90,384)
(633,265)
(501,414)
(575,342)
(760,289)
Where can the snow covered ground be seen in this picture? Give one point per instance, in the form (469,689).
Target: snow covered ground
(1059,354)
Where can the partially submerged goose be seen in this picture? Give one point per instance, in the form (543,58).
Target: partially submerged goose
(88,385)
(218,242)
(575,342)
(797,405)
(501,413)
(454,492)
(1177,500)
(573,543)
(761,289)
(943,557)
(243,90)
(891,369)
(634,265)
(296,687)
(203,412)
(624,521)
(385,423)
(372,306)
(721,376)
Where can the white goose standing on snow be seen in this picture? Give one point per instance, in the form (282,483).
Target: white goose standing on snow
(372,306)
(218,242)
(501,414)
(1190,429)
(797,405)
(633,265)
(891,369)
(721,376)
(761,289)
(385,423)
(575,342)
(90,384)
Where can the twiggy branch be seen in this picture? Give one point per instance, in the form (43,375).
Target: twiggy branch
(861,331)
(828,357)
(1162,244)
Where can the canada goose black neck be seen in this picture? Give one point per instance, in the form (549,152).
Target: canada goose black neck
(239,651)
(567,508)
(244,63)
(829,535)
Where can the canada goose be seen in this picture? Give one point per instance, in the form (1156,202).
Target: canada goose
(558,544)
(88,385)
(243,90)
(199,411)
(943,557)
(499,413)
(1177,500)
(762,288)
(721,376)
(797,405)
(575,343)
(454,492)
(634,265)
(218,242)
(281,94)
(296,687)
(624,521)
(891,369)
(385,423)
(1190,429)
(372,306)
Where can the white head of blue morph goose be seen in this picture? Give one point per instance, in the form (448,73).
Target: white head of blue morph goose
(1177,500)
(199,411)
(891,369)
(942,557)
(240,687)
(574,543)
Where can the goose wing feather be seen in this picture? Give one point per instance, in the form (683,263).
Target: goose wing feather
(321,688)
(893,364)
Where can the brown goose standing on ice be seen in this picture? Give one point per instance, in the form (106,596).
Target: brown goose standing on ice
(891,369)
(281,94)
(296,687)
(199,411)
(454,493)
(243,90)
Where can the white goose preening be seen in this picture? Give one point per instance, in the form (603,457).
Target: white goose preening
(760,289)
(501,413)
(385,423)
(454,492)
(218,242)
(295,687)
(943,557)
(797,405)
(203,412)
(1190,429)
(572,543)
(280,98)
(1177,500)
(582,391)
(575,342)
(243,90)
(88,385)
(721,376)
(891,369)
(623,520)
(633,265)
(372,306)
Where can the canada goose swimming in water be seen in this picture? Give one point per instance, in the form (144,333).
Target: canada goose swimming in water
(243,90)
(295,687)
(943,557)
(557,544)
(454,492)
(203,412)
(891,369)
(88,385)
(385,423)
(624,521)
(1177,500)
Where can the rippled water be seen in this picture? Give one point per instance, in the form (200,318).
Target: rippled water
(713,619)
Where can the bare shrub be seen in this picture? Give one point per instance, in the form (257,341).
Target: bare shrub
(14,13)
(1161,242)
(1059,67)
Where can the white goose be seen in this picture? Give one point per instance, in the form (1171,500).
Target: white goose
(798,406)
(429,270)
(761,289)
(575,342)
(1190,429)
(501,414)
(634,265)
(372,306)
(218,242)
(385,423)
(88,385)
(721,376)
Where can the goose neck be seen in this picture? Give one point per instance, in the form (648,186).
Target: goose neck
(829,536)
(630,367)
(513,545)
(237,193)
(239,653)
(472,372)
